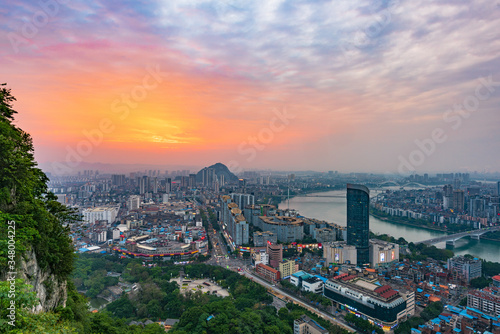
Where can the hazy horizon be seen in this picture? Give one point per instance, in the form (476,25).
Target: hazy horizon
(386,86)
(110,168)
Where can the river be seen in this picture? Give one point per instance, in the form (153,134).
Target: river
(334,209)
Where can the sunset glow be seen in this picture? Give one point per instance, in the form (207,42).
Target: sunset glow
(193,82)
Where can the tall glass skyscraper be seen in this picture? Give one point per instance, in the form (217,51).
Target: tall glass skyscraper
(358,228)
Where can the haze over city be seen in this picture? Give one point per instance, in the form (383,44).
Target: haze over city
(381,86)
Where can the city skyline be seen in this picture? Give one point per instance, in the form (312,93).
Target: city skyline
(349,86)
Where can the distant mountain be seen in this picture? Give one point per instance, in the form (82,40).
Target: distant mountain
(220,169)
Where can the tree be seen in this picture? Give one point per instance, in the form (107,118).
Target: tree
(432,310)
(6,101)
(480,282)
(122,308)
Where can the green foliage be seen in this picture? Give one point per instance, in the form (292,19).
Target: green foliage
(363,326)
(24,198)
(491,268)
(463,302)
(406,326)
(91,273)
(310,296)
(431,311)
(480,282)
(22,297)
(422,251)
(388,238)
(6,100)
(246,311)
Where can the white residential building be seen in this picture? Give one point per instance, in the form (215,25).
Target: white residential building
(108,213)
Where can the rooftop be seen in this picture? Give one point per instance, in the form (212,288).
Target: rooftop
(282,220)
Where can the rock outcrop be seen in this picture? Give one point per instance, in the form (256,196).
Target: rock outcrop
(50,291)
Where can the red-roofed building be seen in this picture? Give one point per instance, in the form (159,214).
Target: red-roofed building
(348,278)
(496,281)
(267,272)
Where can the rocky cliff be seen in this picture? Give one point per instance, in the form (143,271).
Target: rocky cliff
(50,291)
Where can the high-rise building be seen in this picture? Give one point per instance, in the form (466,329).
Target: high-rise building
(498,189)
(168,185)
(243,200)
(358,229)
(208,176)
(154,185)
(184,182)
(143,185)
(447,196)
(118,180)
(458,200)
(466,268)
(192,180)
(134,202)
(275,253)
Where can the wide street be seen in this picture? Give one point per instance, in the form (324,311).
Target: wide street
(324,315)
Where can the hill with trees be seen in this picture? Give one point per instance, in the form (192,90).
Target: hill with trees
(219,169)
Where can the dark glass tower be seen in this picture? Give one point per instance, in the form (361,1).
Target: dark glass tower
(358,229)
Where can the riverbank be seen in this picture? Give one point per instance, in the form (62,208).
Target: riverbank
(489,239)
(394,221)
(278,199)
(426,227)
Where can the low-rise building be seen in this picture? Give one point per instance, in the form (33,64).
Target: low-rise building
(312,284)
(267,272)
(306,325)
(369,299)
(383,253)
(107,213)
(339,253)
(287,268)
(260,257)
(298,277)
(486,300)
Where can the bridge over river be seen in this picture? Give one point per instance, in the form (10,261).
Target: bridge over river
(451,238)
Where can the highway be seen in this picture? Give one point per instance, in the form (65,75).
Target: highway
(322,314)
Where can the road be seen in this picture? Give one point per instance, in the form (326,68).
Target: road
(322,314)
(221,258)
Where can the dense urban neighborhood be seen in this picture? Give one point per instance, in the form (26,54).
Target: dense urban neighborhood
(339,273)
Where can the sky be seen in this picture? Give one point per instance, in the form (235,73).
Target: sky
(347,85)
